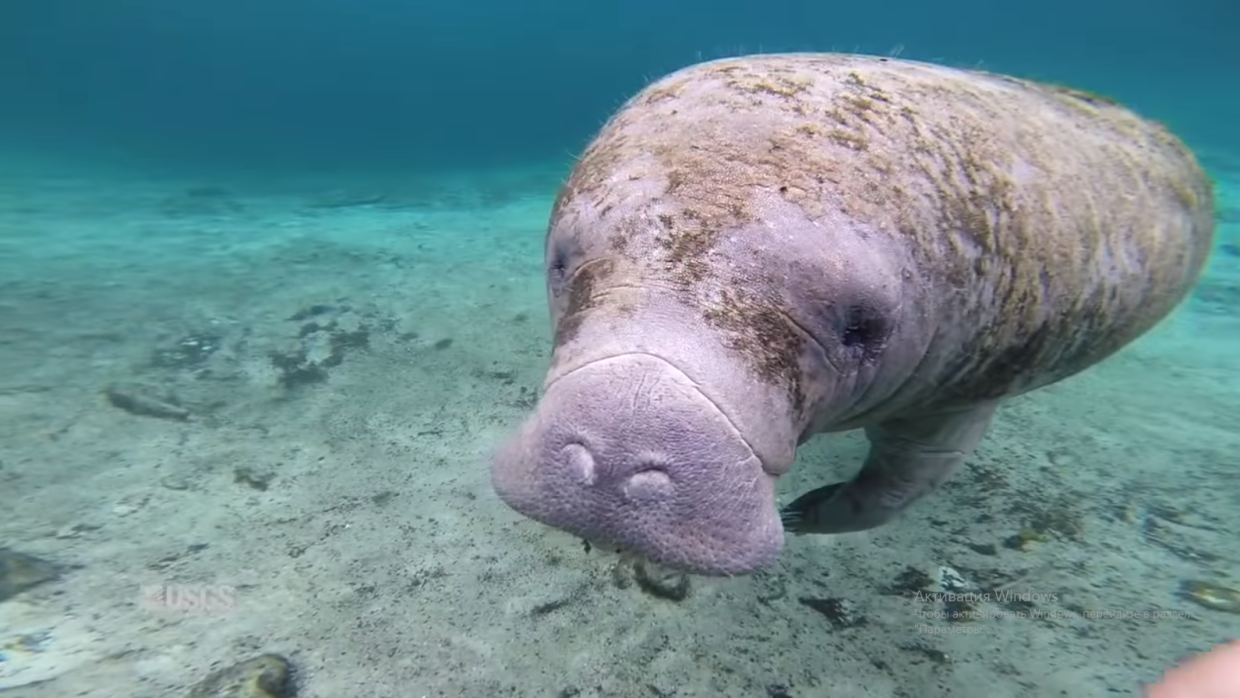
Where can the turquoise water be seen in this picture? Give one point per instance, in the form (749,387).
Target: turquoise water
(272,291)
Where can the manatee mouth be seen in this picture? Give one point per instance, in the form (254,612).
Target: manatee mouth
(628,450)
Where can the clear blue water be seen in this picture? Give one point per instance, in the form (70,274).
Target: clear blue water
(272,290)
(396,84)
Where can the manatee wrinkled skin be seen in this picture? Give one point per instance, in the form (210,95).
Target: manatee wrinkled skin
(760,249)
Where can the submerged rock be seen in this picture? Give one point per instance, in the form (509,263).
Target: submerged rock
(139,400)
(264,676)
(19,572)
(1212,596)
(653,579)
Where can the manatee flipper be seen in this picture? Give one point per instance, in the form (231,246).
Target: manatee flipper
(909,458)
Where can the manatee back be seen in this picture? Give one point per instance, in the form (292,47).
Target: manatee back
(1040,228)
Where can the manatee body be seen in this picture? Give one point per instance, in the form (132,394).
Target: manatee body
(760,249)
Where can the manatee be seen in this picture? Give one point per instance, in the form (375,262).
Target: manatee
(756,250)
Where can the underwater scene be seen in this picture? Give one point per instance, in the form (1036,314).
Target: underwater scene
(550,349)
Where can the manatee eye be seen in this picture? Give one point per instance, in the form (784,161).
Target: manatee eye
(863,328)
(557,271)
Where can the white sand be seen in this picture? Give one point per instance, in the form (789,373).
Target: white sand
(378,558)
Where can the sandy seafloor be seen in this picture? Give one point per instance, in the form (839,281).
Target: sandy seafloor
(379,560)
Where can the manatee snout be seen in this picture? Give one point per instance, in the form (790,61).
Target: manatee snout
(628,450)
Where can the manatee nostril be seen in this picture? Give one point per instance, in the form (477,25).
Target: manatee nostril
(648,485)
(580,462)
